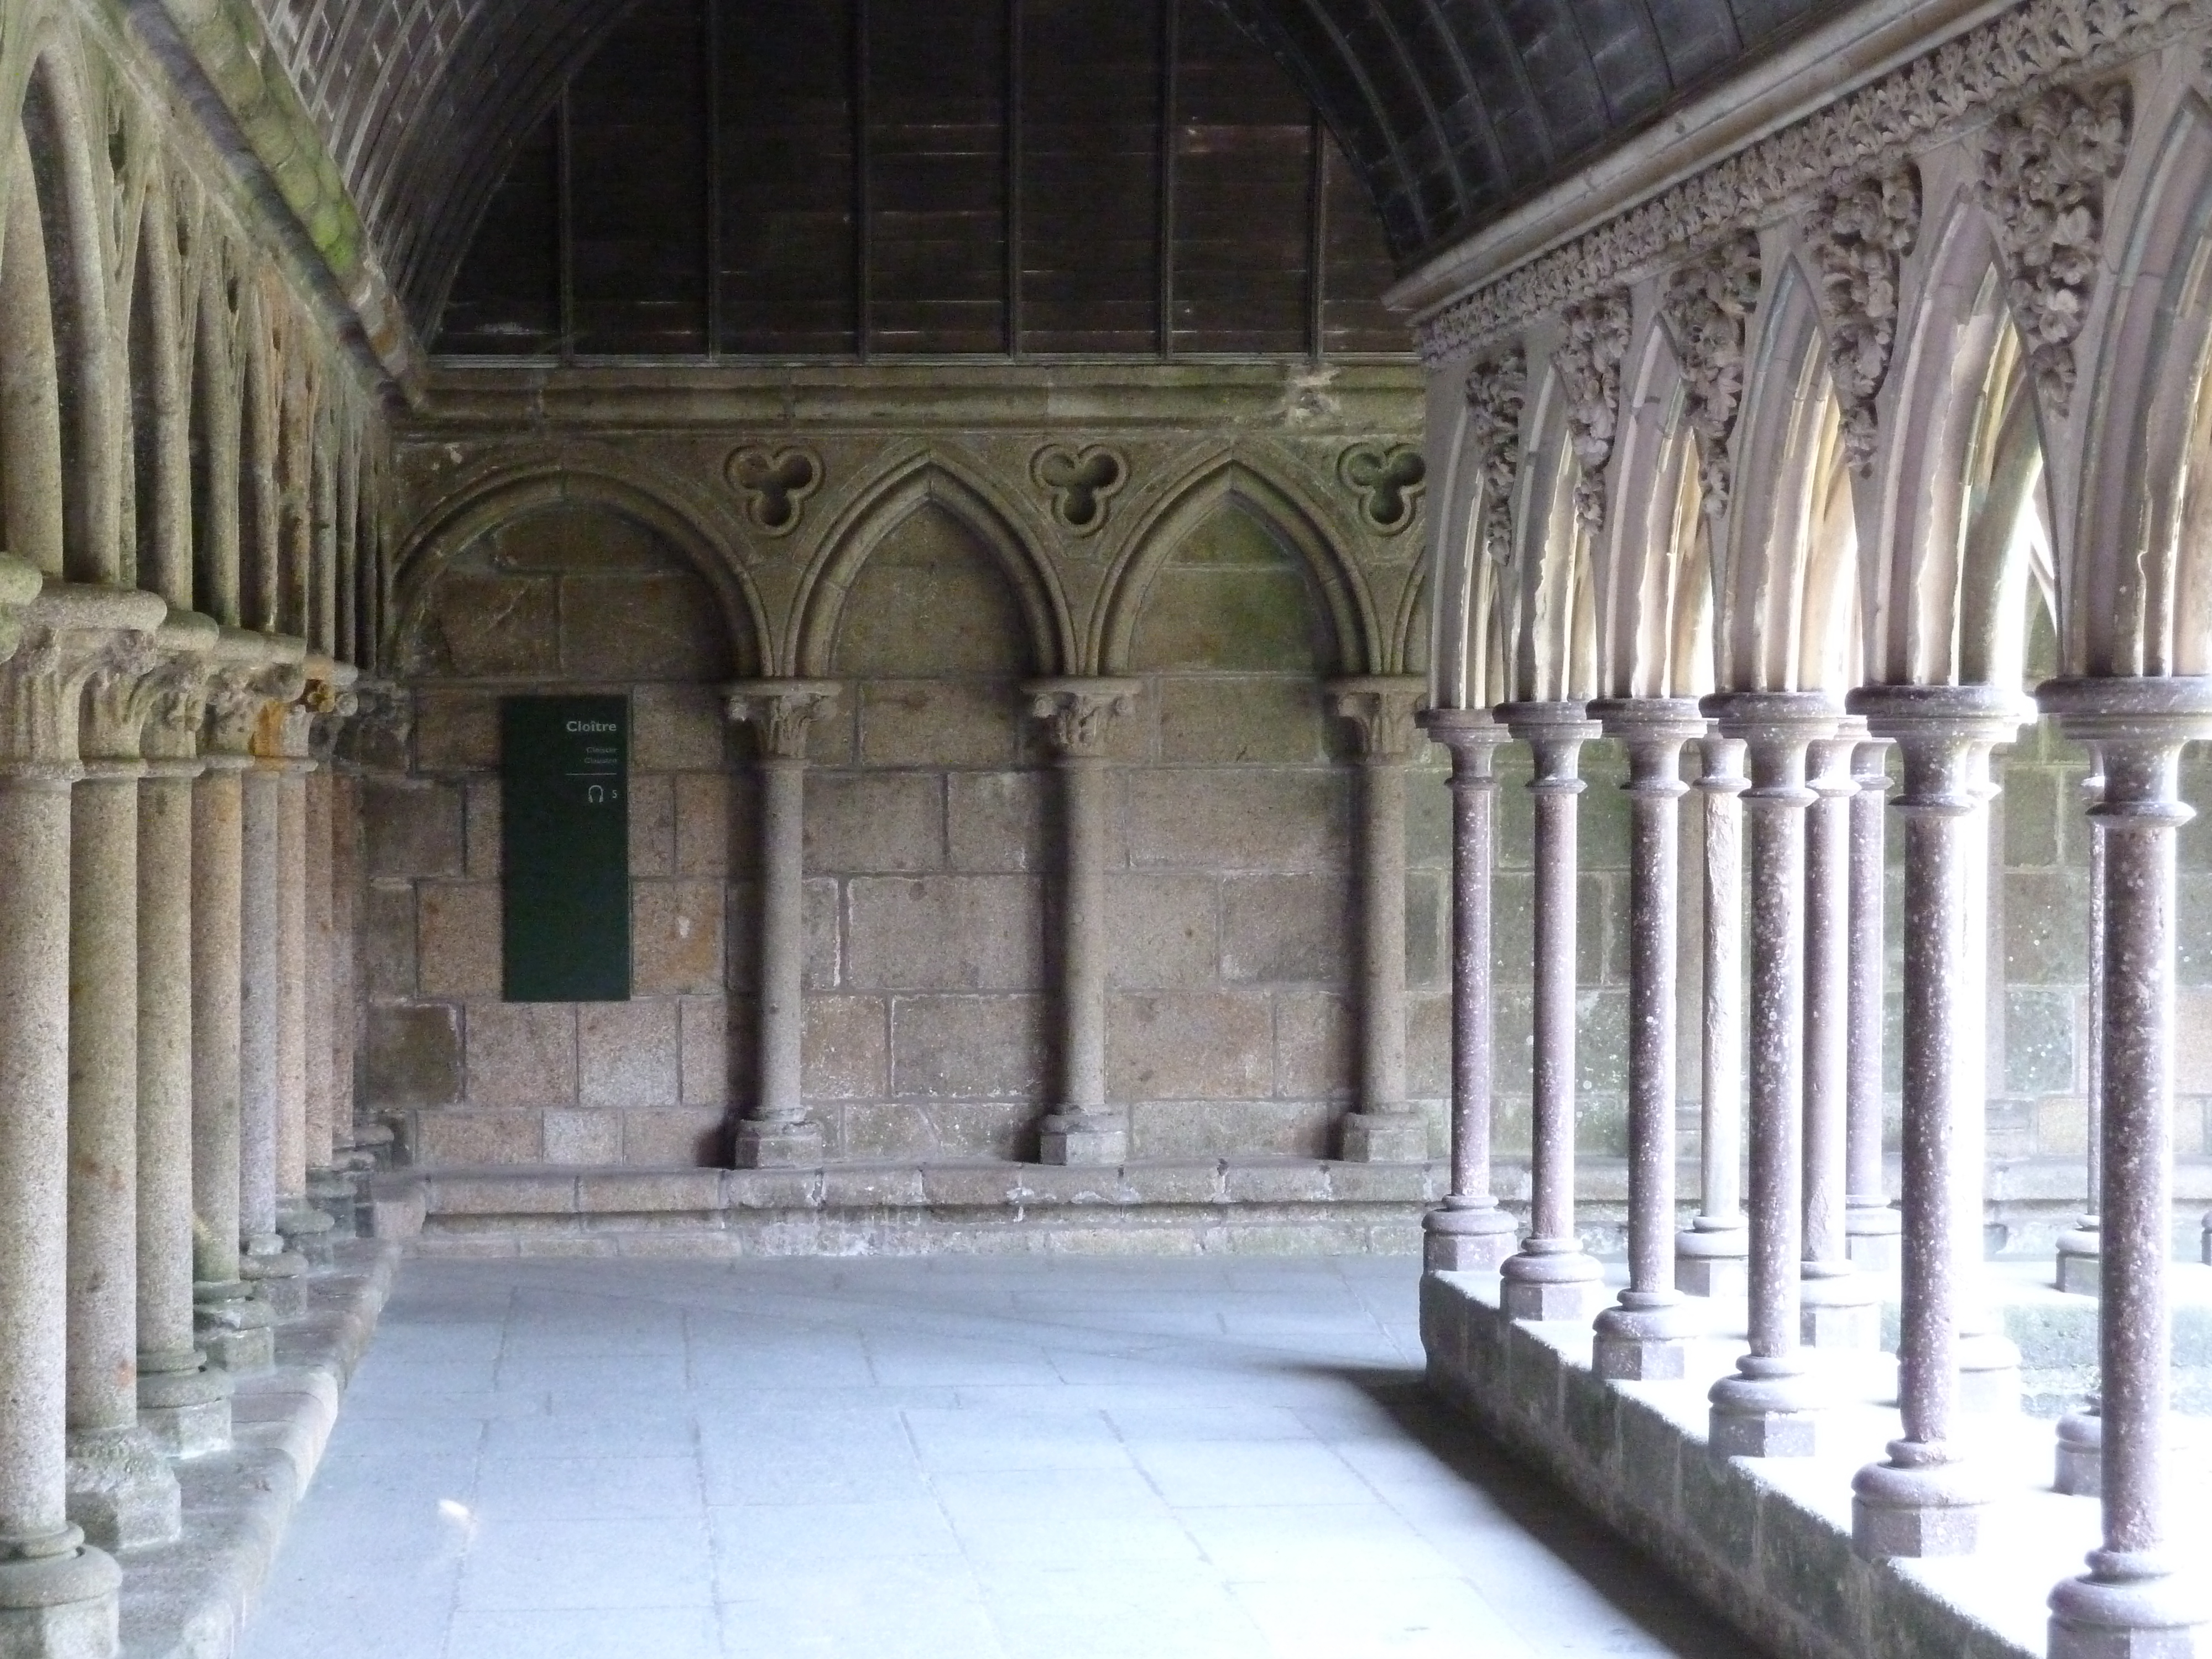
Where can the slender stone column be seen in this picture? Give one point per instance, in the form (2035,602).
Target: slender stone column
(1381,709)
(1838,1306)
(330,1189)
(1711,1253)
(2080,1248)
(1770,1407)
(1552,1276)
(1925,1499)
(182,1402)
(1082,1128)
(121,1492)
(775,1134)
(1645,1335)
(304,1229)
(1470,1232)
(57,1594)
(2133,1601)
(1871,1225)
(345,835)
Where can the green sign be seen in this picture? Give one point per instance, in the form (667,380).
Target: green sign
(564,841)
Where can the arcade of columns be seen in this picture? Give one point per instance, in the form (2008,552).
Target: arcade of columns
(1764,468)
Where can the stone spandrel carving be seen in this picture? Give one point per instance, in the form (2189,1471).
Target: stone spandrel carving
(1082,483)
(1588,361)
(776,484)
(1861,234)
(2044,171)
(1495,394)
(1987,69)
(1706,305)
(1389,479)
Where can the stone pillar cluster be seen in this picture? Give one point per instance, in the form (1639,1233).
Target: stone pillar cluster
(158,980)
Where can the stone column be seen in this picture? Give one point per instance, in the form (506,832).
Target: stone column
(1770,1407)
(330,1190)
(1871,1224)
(775,1134)
(1470,1232)
(1645,1336)
(1082,1128)
(1552,1276)
(304,1229)
(345,1001)
(1838,1306)
(121,1492)
(2079,1247)
(182,1402)
(2136,1598)
(1711,1253)
(1926,1499)
(1381,709)
(57,1593)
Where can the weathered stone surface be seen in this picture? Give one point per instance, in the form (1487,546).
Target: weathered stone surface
(998,821)
(478,1137)
(626,1054)
(847,1045)
(1252,720)
(1163,930)
(703,1028)
(1189,1046)
(411,829)
(652,824)
(522,1053)
(1251,819)
(1316,1055)
(702,824)
(456,730)
(946,933)
(677,728)
(973,1046)
(388,940)
(582,1137)
(1284,927)
(674,1137)
(677,936)
(460,934)
(414,1056)
(661,626)
(944,723)
(859,824)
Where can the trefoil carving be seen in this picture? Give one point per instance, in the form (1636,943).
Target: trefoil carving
(1389,479)
(776,484)
(1081,482)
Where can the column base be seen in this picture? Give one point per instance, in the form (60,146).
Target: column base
(308,1234)
(2147,1614)
(234,1327)
(1384,1138)
(1770,1408)
(122,1493)
(1838,1310)
(1916,1509)
(1475,1237)
(62,1606)
(2082,1262)
(184,1405)
(1873,1237)
(1087,1139)
(1549,1279)
(1713,1261)
(2078,1464)
(279,1278)
(337,1194)
(1645,1339)
(1989,1372)
(760,1145)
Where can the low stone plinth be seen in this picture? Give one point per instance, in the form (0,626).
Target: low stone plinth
(1767,1542)
(1261,1207)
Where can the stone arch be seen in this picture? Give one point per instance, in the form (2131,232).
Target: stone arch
(499,501)
(922,481)
(1548,617)
(260,556)
(160,416)
(1452,564)
(1186,506)
(2005,547)
(214,419)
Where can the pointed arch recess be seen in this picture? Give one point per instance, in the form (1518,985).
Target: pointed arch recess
(1221,478)
(1544,599)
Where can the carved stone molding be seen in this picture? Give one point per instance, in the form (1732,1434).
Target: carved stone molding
(1389,479)
(1081,482)
(70,634)
(1381,709)
(19,582)
(1495,394)
(1984,72)
(1862,232)
(2043,169)
(776,484)
(1706,305)
(781,711)
(1589,362)
(1079,712)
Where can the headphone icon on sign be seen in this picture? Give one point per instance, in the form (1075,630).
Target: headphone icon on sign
(598,794)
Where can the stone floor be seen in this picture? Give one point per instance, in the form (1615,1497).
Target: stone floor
(943,1459)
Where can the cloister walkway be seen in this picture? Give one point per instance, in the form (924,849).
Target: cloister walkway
(942,1459)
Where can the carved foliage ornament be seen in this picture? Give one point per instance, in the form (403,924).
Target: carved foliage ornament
(775,484)
(1389,479)
(1861,234)
(2043,169)
(1988,68)
(1707,304)
(1082,483)
(1589,362)
(1495,394)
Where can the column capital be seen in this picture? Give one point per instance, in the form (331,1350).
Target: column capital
(253,673)
(1777,727)
(1474,736)
(1653,731)
(782,709)
(1720,759)
(1078,712)
(1944,733)
(1870,763)
(1382,708)
(1831,761)
(19,582)
(69,633)
(331,702)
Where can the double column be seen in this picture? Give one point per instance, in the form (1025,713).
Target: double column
(1078,715)
(774,1132)
(1384,1129)
(2133,1599)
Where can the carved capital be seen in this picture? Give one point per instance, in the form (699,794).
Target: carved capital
(19,582)
(1495,394)
(1077,712)
(1588,361)
(376,737)
(781,711)
(119,699)
(69,635)
(1706,305)
(1382,709)
(1861,234)
(330,703)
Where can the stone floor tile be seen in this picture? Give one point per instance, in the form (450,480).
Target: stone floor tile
(756,1541)
(584,1488)
(967,1441)
(1344,1617)
(1098,1493)
(1201,1474)
(550,1566)
(589,1633)
(1293,1541)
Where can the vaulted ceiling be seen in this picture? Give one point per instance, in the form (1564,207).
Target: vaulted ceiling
(1449,110)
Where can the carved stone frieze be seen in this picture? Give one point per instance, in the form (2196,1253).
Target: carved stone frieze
(1588,361)
(1706,305)
(1962,83)
(1389,479)
(1082,483)
(2044,171)
(1862,232)
(1495,395)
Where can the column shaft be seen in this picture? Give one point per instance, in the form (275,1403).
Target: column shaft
(260,968)
(322,1139)
(217,865)
(1708,1256)
(291,994)
(1870,1225)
